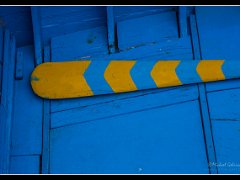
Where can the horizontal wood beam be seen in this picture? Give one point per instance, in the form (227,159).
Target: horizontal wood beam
(57,80)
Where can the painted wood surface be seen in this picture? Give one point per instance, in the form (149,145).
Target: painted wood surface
(148,141)
(130,132)
(57,21)
(124,106)
(183,21)
(19,65)
(225,119)
(46,125)
(6,106)
(224,104)
(27,112)
(226,137)
(18,20)
(158,49)
(111,24)
(203,102)
(159,27)
(93,42)
(123,13)
(36,24)
(93,127)
(25,165)
(218,33)
(1,59)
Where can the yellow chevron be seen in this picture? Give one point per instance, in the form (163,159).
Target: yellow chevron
(118,76)
(210,70)
(164,74)
(68,79)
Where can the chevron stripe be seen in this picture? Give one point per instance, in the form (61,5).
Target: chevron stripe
(164,74)
(186,72)
(210,70)
(94,76)
(118,76)
(231,69)
(61,80)
(140,74)
(87,78)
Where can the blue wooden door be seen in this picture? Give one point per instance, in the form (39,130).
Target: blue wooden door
(187,129)
(152,131)
(20,109)
(219,38)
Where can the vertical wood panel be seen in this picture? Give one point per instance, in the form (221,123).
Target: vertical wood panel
(7,101)
(182,21)
(37,34)
(207,127)
(165,139)
(27,112)
(219,29)
(111,29)
(1,59)
(24,165)
(46,124)
(147,30)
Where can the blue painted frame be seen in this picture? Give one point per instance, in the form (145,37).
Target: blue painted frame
(38,47)
(111,30)
(6,107)
(182,21)
(207,127)
(37,34)
(46,124)
(1,59)
(111,41)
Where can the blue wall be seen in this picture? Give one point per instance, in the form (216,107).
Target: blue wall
(189,129)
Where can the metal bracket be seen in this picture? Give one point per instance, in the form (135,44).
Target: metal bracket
(19,65)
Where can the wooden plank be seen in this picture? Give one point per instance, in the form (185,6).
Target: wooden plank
(147,30)
(49,13)
(57,21)
(142,142)
(61,80)
(1,59)
(165,50)
(7,102)
(118,107)
(224,104)
(111,29)
(27,112)
(36,23)
(67,47)
(182,21)
(226,138)
(1,44)
(207,128)
(46,125)
(24,165)
(123,13)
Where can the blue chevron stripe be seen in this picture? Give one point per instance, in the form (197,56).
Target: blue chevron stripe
(231,69)
(141,74)
(186,72)
(94,76)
